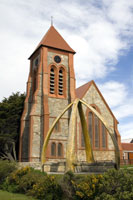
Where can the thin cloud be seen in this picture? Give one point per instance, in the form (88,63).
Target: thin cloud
(100,32)
(125,110)
(114,92)
(126,130)
(118,98)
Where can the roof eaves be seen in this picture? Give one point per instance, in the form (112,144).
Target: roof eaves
(89,85)
(41,45)
(86,89)
(105,101)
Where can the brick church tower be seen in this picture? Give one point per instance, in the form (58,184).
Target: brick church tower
(50,88)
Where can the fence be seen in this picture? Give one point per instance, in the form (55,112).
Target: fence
(126,162)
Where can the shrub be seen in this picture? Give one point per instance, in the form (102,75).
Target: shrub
(67,186)
(28,180)
(6,168)
(112,185)
(116,185)
(22,179)
(11,183)
(86,187)
(46,188)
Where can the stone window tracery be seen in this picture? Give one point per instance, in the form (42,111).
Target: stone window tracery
(96,131)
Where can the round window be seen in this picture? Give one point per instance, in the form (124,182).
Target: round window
(57,59)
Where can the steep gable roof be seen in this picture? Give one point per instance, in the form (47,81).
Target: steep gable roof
(81,91)
(53,39)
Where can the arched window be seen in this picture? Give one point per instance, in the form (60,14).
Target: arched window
(90,128)
(97,131)
(60,83)
(96,121)
(52,80)
(60,150)
(53,149)
(104,137)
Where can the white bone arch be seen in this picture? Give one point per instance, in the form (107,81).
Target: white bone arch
(70,153)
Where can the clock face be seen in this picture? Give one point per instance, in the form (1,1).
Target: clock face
(57,59)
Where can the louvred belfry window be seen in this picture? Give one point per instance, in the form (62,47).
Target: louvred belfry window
(60,82)
(52,81)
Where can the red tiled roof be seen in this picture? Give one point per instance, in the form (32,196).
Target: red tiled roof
(127,146)
(80,92)
(53,39)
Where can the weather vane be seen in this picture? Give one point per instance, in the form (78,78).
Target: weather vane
(51,20)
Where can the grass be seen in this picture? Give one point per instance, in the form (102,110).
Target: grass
(4,195)
(126,166)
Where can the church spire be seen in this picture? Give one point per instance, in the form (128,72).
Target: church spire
(54,40)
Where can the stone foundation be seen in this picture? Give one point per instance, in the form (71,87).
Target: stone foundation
(35,165)
(97,167)
(80,167)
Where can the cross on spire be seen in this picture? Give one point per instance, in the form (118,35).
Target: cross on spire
(51,20)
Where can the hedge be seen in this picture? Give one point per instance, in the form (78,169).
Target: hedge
(112,185)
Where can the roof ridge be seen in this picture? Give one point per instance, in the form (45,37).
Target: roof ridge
(53,39)
(85,84)
(81,91)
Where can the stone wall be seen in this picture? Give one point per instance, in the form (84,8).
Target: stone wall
(93,97)
(64,62)
(57,105)
(37,134)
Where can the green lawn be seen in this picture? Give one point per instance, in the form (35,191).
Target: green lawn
(126,166)
(10,196)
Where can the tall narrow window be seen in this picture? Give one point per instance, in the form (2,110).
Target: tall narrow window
(52,81)
(60,149)
(90,127)
(104,145)
(53,149)
(60,83)
(96,132)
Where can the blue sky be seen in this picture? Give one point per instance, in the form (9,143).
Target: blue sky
(100,31)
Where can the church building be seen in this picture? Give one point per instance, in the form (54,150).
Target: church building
(50,88)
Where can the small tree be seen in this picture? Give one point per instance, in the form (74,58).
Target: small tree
(10,113)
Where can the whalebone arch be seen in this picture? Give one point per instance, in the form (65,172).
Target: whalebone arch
(70,151)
